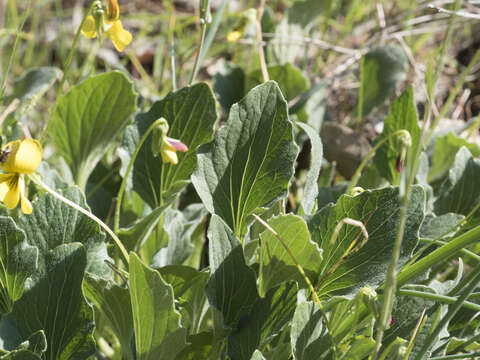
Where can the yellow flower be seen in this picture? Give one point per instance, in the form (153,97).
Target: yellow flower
(169,150)
(112,26)
(17,158)
(233,36)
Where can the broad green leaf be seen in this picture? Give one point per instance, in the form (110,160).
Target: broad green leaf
(384,67)
(289,78)
(232,286)
(53,302)
(250,162)
(276,265)
(295,25)
(402,116)
(191,115)
(179,226)
(31,349)
(257,355)
(19,261)
(310,190)
(88,119)
(379,211)
(360,347)
(188,286)
(460,191)
(446,147)
(307,335)
(114,303)
(444,225)
(406,312)
(134,236)
(158,333)
(53,223)
(229,84)
(267,318)
(35,82)
(314,101)
(198,348)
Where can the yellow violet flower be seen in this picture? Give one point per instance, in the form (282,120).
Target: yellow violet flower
(17,158)
(169,150)
(111,25)
(233,36)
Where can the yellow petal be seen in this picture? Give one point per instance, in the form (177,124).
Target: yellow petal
(10,192)
(113,11)
(89,28)
(26,205)
(23,157)
(169,156)
(119,36)
(233,36)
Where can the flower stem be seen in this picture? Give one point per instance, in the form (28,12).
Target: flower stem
(196,67)
(87,213)
(66,66)
(121,191)
(367,158)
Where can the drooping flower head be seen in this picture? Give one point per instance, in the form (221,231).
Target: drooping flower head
(110,24)
(17,158)
(165,146)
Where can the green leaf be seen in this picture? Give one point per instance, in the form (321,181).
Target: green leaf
(307,335)
(444,225)
(257,355)
(384,67)
(35,82)
(114,302)
(289,78)
(232,286)
(198,348)
(250,162)
(191,115)
(18,260)
(179,226)
(53,302)
(189,291)
(229,84)
(310,190)
(53,223)
(402,116)
(276,265)
(406,312)
(158,333)
(31,349)
(460,191)
(446,147)
(88,119)
(137,234)
(267,318)
(379,211)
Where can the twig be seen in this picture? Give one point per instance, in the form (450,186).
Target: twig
(261,53)
(459,13)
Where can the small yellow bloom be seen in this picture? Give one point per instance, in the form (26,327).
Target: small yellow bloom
(233,36)
(18,157)
(169,150)
(111,25)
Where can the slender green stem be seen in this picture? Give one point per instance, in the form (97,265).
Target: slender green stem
(87,213)
(466,252)
(443,253)
(367,158)
(261,53)
(121,191)
(450,314)
(439,298)
(196,67)
(66,66)
(307,280)
(452,94)
(361,91)
(457,356)
(14,50)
